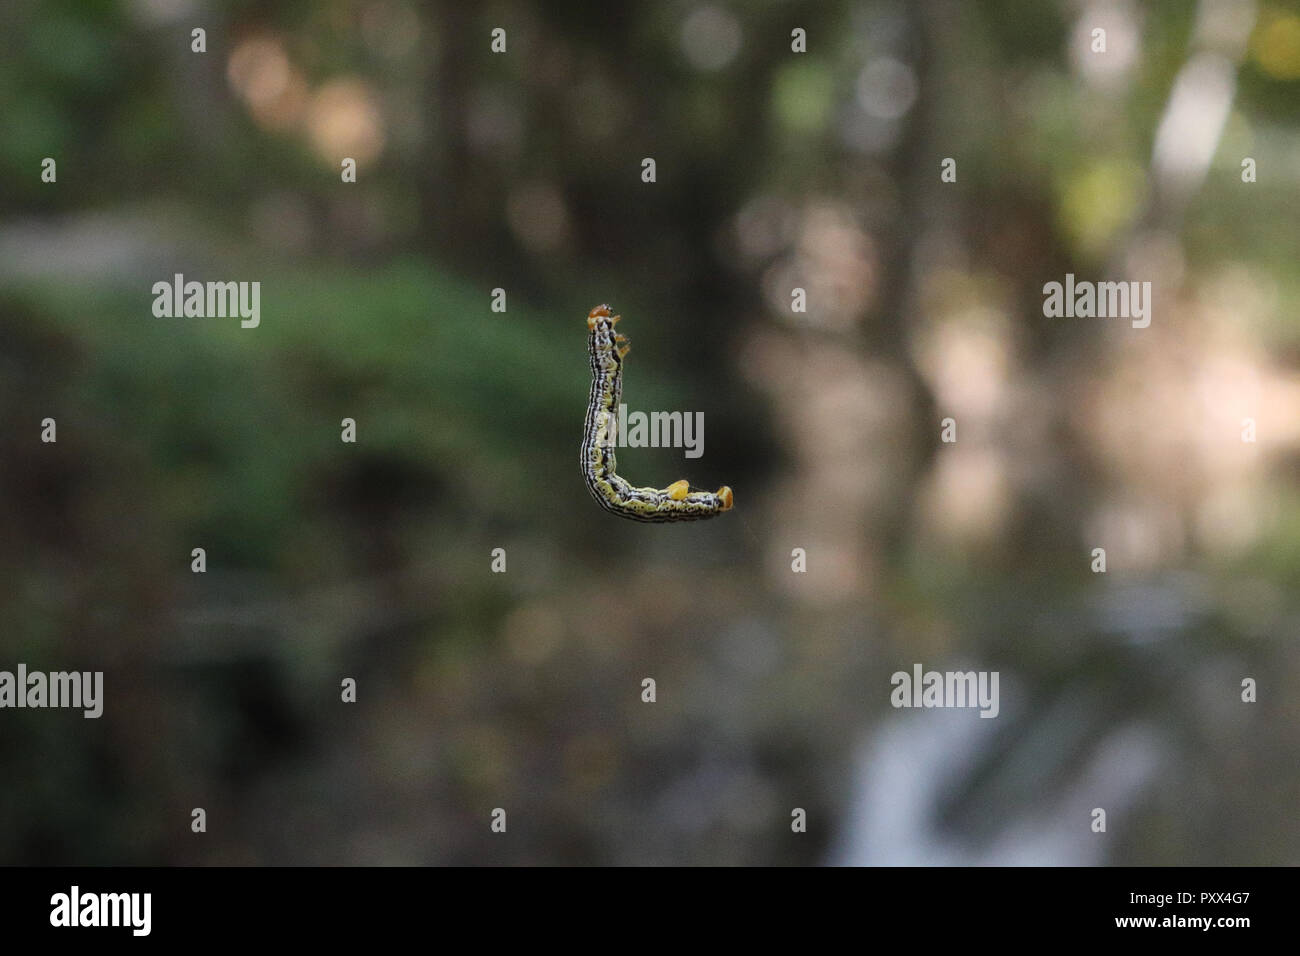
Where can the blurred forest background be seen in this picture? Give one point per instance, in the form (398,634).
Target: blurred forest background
(775,170)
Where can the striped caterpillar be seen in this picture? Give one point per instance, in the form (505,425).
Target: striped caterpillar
(674,503)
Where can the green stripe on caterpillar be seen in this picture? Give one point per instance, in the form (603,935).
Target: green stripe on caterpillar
(599,464)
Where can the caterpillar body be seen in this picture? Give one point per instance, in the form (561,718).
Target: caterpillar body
(677,502)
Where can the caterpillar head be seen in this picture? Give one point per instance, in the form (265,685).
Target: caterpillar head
(601,318)
(601,313)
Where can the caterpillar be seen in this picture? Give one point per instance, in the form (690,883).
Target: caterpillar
(599,464)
